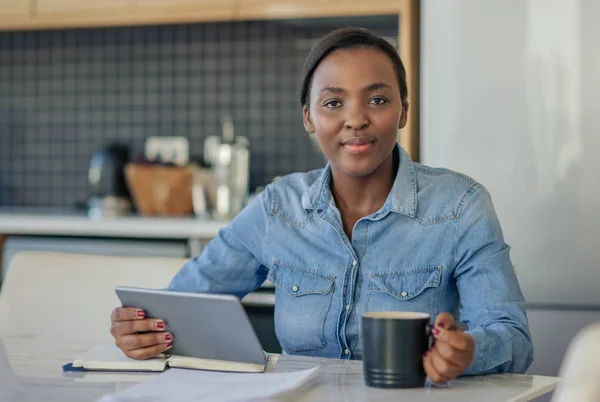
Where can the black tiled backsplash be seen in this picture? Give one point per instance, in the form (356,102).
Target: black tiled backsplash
(66,93)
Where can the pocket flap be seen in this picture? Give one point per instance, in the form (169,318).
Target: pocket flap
(407,284)
(299,281)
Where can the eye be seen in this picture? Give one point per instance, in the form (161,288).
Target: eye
(332,104)
(378,100)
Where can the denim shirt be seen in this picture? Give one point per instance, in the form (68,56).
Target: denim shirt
(435,246)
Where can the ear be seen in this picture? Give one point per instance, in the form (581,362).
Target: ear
(404,115)
(308,126)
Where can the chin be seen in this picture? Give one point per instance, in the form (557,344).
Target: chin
(359,169)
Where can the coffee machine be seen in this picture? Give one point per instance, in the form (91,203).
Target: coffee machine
(107,189)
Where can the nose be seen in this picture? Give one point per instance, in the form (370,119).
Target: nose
(357,118)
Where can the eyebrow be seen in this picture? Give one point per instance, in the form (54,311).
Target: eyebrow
(368,88)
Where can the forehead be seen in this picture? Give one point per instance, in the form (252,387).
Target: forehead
(354,68)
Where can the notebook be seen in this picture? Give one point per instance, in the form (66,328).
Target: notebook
(111,358)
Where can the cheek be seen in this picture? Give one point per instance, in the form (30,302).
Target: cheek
(387,122)
(327,122)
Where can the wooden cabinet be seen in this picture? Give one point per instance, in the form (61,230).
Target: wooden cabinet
(161,11)
(209,7)
(15,13)
(80,8)
(14,8)
(42,14)
(267,9)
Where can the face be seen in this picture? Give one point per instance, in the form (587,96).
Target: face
(355,110)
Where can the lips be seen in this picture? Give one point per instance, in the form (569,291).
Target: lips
(362,140)
(358,145)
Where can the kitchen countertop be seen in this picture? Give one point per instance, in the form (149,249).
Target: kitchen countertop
(70,222)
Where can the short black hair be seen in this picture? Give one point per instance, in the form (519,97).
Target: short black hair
(348,38)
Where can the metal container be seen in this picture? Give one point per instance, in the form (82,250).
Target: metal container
(229,157)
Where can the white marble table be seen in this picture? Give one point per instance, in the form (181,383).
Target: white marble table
(30,370)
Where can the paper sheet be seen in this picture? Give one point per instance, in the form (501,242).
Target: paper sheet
(197,385)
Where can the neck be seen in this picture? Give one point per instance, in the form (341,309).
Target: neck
(362,196)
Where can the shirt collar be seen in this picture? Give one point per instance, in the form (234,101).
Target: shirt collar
(402,198)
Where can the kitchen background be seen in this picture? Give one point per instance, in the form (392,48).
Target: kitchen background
(64,94)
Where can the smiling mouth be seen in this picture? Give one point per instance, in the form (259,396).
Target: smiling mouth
(358,145)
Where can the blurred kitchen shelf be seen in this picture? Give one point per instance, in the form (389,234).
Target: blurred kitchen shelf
(60,222)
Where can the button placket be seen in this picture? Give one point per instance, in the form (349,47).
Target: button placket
(347,307)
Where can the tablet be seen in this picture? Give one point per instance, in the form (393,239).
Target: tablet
(207,326)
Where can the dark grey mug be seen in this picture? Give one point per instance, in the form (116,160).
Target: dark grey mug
(393,346)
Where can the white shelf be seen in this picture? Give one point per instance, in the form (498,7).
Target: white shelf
(130,226)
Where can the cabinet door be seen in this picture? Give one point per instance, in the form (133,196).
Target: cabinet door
(186,10)
(15,8)
(81,8)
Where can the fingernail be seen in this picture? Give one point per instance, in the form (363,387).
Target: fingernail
(425,354)
(140,313)
(160,324)
(441,325)
(169,344)
(168,337)
(435,331)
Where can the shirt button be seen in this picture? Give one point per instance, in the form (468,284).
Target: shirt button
(346,352)
(404,294)
(347,307)
(354,263)
(294,288)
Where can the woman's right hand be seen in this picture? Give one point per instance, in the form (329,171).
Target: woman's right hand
(137,336)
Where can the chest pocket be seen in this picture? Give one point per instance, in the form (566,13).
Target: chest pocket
(412,290)
(303,301)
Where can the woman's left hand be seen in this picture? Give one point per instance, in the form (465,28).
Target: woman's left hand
(452,352)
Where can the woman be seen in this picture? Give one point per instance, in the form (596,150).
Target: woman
(372,231)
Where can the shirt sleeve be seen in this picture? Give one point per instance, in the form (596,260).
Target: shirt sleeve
(233,262)
(492,304)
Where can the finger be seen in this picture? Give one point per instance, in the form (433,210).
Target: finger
(447,370)
(120,328)
(127,314)
(444,321)
(458,339)
(148,352)
(430,370)
(138,341)
(450,354)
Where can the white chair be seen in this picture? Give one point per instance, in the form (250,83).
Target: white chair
(580,370)
(70,296)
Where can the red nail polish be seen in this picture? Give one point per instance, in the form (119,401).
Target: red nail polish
(441,325)
(160,324)
(168,337)
(140,313)
(169,344)
(435,331)
(425,354)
